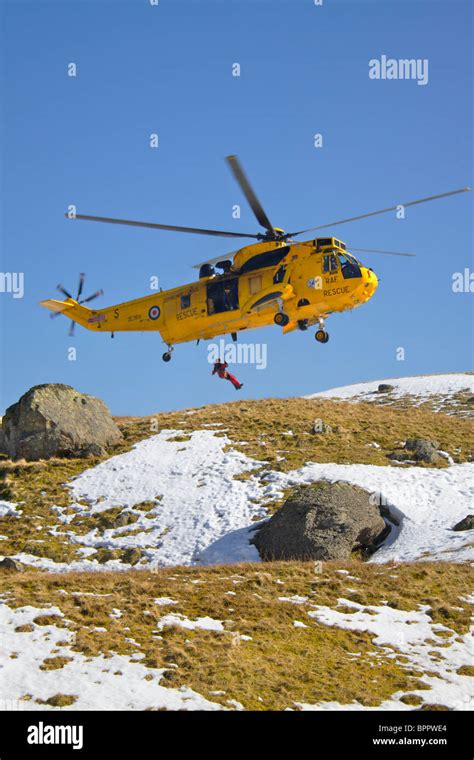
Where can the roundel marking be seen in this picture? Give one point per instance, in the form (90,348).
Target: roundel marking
(154,312)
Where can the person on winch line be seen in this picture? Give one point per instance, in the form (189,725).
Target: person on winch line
(221,369)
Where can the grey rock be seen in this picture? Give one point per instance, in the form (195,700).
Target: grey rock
(415,444)
(319,426)
(125,518)
(385,388)
(467,523)
(55,420)
(322,521)
(423,450)
(12,565)
(418,450)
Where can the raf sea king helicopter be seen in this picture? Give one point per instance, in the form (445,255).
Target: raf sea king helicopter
(274,281)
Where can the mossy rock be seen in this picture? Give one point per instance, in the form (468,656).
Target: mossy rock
(131,556)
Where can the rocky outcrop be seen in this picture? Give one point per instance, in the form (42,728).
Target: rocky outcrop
(418,450)
(11,565)
(55,420)
(322,521)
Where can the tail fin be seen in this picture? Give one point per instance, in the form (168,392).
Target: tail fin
(69,308)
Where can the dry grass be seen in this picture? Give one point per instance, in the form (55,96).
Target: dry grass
(55,663)
(59,700)
(37,487)
(264,427)
(280,664)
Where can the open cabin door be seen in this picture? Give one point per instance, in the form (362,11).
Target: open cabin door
(222,295)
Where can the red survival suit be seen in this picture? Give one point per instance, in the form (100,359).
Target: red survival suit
(221,369)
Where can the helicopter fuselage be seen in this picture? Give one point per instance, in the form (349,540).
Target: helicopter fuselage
(304,282)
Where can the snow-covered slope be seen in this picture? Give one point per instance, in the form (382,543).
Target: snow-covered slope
(186,503)
(204,515)
(421,388)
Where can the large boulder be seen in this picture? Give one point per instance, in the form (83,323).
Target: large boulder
(55,420)
(322,521)
(467,523)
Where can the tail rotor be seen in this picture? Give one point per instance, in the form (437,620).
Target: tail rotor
(78,299)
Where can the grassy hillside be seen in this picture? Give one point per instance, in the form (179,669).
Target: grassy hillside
(267,647)
(260,658)
(278,432)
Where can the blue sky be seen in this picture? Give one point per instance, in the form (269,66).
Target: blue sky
(167,69)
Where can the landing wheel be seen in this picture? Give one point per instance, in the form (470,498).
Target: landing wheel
(281,319)
(322,336)
(166,356)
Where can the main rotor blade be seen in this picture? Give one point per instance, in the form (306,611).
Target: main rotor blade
(249,193)
(81,285)
(64,291)
(72,329)
(382,211)
(389,253)
(171,227)
(94,295)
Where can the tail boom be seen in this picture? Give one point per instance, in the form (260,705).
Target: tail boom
(77,313)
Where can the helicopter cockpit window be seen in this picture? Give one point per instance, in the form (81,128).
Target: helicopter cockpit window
(279,275)
(349,266)
(330,263)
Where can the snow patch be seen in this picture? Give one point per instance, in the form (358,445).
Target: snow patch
(203,623)
(201,500)
(164,601)
(111,683)
(413,635)
(293,599)
(7,509)
(421,387)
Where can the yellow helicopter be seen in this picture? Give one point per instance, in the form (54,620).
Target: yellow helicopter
(274,281)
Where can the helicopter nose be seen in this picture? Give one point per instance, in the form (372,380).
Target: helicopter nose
(370,282)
